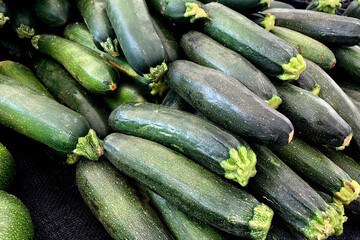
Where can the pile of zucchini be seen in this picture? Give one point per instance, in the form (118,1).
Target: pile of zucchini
(189,119)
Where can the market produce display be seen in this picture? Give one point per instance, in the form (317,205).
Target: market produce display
(188,119)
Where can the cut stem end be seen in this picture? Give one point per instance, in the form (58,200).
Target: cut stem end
(293,69)
(328,6)
(349,192)
(269,22)
(261,221)
(194,12)
(111,46)
(25,31)
(274,102)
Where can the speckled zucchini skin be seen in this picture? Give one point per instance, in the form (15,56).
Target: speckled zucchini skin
(7,168)
(114,202)
(54,13)
(15,220)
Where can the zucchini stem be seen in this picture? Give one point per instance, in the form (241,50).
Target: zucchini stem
(261,221)
(111,46)
(316,90)
(3,19)
(274,102)
(194,12)
(269,22)
(340,219)
(156,75)
(328,6)
(346,142)
(24,31)
(293,69)
(349,192)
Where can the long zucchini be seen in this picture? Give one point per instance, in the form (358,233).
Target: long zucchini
(53,13)
(308,82)
(244,6)
(353,10)
(190,187)
(326,6)
(7,168)
(348,59)
(212,92)
(5,13)
(23,23)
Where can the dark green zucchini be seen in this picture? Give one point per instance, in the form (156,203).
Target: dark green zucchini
(348,59)
(212,92)
(196,138)
(24,75)
(114,202)
(316,167)
(326,6)
(15,218)
(95,17)
(308,47)
(352,89)
(209,53)
(278,4)
(327,28)
(269,53)
(293,199)
(70,93)
(23,23)
(54,13)
(243,6)
(190,187)
(45,120)
(123,94)
(87,67)
(353,10)
(173,100)
(7,169)
(308,82)
(5,13)
(313,118)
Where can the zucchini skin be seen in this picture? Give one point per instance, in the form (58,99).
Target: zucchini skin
(114,202)
(196,138)
(266,51)
(123,94)
(39,118)
(143,49)
(309,48)
(7,169)
(193,189)
(212,92)
(348,59)
(244,6)
(207,52)
(308,82)
(173,100)
(15,219)
(353,10)
(23,23)
(313,118)
(278,4)
(70,93)
(87,67)
(327,28)
(54,13)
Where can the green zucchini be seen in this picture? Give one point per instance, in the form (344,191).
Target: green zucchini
(327,28)
(190,187)
(173,100)
(54,13)
(308,82)
(70,93)
(23,23)
(308,47)
(87,67)
(47,121)
(196,138)
(23,75)
(326,6)
(5,13)
(15,218)
(209,53)
(348,59)
(352,89)
(212,92)
(244,6)
(292,198)
(7,168)
(316,167)
(278,4)
(313,118)
(123,94)
(353,10)
(114,202)
(95,17)
(269,53)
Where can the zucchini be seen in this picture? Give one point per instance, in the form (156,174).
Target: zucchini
(15,218)
(313,118)
(308,47)
(114,202)
(352,89)
(47,121)
(7,169)
(23,23)
(70,93)
(87,67)
(209,53)
(212,92)
(353,10)
(326,6)
(95,17)
(327,28)
(244,6)
(278,4)
(190,187)
(266,20)
(269,53)
(173,100)
(5,13)
(348,59)
(53,13)
(196,138)
(308,82)
(292,198)
(23,75)
(123,94)
(316,167)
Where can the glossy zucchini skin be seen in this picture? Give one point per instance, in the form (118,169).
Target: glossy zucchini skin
(192,188)
(23,23)
(86,66)
(308,82)
(244,6)
(212,92)
(15,219)
(313,118)
(353,10)
(54,13)
(36,116)
(207,52)
(70,93)
(114,202)
(7,169)
(348,59)
(266,51)
(327,28)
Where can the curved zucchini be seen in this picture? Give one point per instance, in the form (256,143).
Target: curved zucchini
(353,10)
(87,67)
(212,92)
(244,6)
(326,6)
(196,138)
(348,59)
(54,13)
(70,93)
(5,13)
(123,94)
(269,53)
(7,168)
(23,23)
(308,82)
(190,187)
(209,53)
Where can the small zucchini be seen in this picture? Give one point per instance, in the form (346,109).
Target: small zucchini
(7,169)
(54,13)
